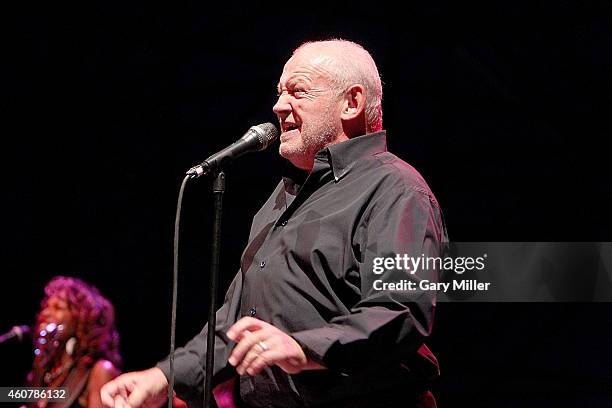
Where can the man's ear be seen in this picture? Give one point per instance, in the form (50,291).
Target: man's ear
(354,103)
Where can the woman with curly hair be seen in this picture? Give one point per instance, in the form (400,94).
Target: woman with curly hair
(76,343)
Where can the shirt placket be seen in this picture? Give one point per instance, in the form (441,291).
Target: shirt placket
(256,274)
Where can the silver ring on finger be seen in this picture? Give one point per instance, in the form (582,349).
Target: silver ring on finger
(263,346)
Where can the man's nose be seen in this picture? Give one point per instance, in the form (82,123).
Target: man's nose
(282,107)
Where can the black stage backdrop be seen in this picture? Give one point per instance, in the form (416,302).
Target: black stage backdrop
(503,108)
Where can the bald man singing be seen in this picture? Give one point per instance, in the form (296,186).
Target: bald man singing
(325,310)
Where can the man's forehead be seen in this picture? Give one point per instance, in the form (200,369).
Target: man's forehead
(311,66)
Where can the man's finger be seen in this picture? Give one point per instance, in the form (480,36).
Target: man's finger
(137,397)
(233,360)
(248,341)
(245,323)
(106,394)
(270,343)
(248,359)
(119,401)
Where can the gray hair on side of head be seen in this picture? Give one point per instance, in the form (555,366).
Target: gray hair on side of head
(355,65)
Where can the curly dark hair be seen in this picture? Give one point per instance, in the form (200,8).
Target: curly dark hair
(96,334)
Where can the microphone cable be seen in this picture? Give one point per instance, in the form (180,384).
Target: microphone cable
(177,222)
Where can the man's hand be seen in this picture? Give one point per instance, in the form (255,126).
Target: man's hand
(145,389)
(262,345)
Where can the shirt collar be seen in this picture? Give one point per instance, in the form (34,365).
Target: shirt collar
(343,156)
(340,157)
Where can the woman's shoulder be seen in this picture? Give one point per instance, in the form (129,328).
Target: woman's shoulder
(103,370)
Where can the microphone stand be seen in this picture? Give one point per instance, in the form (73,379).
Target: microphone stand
(218,190)
(257,138)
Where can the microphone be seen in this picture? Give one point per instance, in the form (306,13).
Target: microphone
(17,332)
(257,138)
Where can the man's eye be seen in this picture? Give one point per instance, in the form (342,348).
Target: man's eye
(294,91)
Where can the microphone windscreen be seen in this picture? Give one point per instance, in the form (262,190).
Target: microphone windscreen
(268,133)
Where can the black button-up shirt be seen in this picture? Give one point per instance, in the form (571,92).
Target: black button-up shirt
(307,270)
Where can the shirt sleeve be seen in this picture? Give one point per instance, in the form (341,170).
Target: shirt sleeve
(190,360)
(385,325)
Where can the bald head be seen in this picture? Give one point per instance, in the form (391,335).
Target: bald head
(348,64)
(328,92)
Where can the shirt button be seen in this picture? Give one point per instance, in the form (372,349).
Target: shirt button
(262,264)
(284,223)
(252,312)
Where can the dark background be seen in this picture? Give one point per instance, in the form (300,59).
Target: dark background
(505,110)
